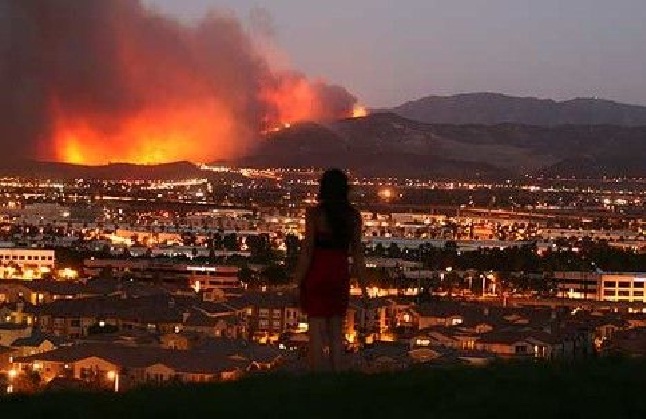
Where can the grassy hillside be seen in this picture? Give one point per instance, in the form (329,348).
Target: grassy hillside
(608,388)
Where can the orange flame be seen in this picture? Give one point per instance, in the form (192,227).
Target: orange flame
(124,83)
(292,101)
(359,111)
(159,135)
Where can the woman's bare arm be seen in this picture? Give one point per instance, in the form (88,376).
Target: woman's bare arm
(307,248)
(357,253)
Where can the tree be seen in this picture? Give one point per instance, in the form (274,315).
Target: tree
(260,248)
(275,274)
(380,250)
(245,274)
(230,242)
(394,251)
(292,248)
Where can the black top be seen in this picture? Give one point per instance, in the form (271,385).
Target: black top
(328,241)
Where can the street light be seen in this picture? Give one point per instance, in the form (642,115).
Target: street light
(11,374)
(114,376)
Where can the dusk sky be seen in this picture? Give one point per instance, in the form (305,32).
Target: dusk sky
(387,52)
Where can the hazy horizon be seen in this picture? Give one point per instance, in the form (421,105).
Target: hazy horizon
(392,53)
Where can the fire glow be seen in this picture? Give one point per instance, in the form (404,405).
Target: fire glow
(119,82)
(148,137)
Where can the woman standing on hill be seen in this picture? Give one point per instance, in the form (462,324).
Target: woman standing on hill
(332,235)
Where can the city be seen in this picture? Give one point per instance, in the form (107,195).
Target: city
(297,209)
(118,284)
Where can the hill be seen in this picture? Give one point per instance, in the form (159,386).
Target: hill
(592,389)
(390,144)
(493,108)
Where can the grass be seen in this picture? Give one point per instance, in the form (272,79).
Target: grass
(605,388)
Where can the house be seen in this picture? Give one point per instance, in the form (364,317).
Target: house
(9,332)
(37,343)
(12,291)
(216,319)
(433,337)
(112,366)
(184,369)
(630,343)
(18,312)
(258,357)
(383,357)
(82,317)
(199,322)
(184,340)
(270,314)
(424,354)
(120,367)
(368,319)
(521,344)
(5,358)
(438,313)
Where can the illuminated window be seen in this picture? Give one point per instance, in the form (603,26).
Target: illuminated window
(423,342)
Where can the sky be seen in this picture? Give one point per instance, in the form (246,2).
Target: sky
(390,51)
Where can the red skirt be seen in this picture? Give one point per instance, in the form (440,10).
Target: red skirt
(325,291)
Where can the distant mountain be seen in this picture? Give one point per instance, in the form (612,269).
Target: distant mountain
(390,144)
(493,108)
(114,171)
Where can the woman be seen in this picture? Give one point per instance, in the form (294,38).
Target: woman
(332,235)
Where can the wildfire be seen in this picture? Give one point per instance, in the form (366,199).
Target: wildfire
(359,111)
(158,135)
(120,82)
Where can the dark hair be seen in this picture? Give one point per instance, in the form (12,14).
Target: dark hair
(333,200)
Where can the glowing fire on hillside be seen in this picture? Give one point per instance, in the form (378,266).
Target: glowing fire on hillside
(150,136)
(119,82)
(359,111)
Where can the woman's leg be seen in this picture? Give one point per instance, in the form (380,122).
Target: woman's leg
(336,342)
(316,330)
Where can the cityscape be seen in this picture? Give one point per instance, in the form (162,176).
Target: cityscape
(119,284)
(216,208)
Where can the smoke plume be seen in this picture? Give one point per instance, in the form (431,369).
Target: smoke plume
(94,81)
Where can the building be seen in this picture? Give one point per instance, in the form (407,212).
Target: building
(205,278)
(576,284)
(626,287)
(27,264)
(213,278)
(623,287)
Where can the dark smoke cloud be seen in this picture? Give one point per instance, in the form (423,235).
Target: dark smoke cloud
(106,59)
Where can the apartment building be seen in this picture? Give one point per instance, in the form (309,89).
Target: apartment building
(600,286)
(204,278)
(623,287)
(576,285)
(20,263)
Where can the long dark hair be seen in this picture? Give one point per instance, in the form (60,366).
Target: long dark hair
(333,198)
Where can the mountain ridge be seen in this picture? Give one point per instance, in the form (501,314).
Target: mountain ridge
(489,108)
(388,144)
